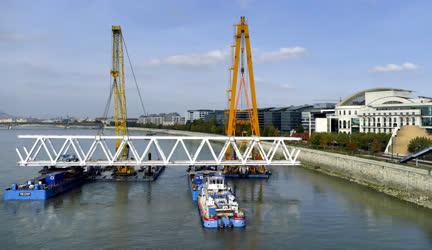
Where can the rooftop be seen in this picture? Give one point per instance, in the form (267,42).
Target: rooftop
(358,98)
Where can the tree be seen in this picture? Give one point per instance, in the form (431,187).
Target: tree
(325,140)
(271,131)
(352,146)
(300,129)
(376,146)
(418,144)
(341,139)
(315,139)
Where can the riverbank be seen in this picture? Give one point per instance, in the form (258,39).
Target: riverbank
(48,125)
(401,181)
(167,131)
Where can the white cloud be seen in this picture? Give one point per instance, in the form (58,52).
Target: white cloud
(218,55)
(281,54)
(206,58)
(395,67)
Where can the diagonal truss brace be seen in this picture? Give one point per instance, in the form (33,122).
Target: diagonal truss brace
(272,150)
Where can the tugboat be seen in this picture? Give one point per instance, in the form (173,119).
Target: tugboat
(218,206)
(196,177)
(49,184)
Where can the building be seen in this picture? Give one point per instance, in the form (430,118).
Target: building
(291,118)
(171,119)
(217,115)
(324,113)
(261,114)
(284,119)
(131,122)
(272,118)
(6,120)
(381,110)
(197,114)
(164,119)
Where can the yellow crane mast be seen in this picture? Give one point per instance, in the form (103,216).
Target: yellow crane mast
(242,47)
(247,124)
(118,81)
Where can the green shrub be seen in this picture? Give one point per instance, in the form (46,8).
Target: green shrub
(300,129)
(325,139)
(341,139)
(315,138)
(352,142)
(419,143)
(270,131)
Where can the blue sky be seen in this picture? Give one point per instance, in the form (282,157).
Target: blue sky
(55,55)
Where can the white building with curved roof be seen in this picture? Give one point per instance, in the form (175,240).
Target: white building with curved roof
(381,110)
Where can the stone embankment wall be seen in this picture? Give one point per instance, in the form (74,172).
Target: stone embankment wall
(404,182)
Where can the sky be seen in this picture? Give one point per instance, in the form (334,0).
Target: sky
(56,55)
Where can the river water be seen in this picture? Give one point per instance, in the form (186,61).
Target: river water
(295,209)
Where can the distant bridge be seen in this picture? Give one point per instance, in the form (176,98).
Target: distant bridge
(50,150)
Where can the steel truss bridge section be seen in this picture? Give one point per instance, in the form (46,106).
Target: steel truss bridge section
(44,152)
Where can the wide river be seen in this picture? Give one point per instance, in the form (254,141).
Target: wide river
(295,209)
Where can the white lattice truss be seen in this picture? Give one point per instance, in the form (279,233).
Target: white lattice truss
(272,151)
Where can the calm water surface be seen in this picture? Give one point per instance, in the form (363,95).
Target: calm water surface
(295,209)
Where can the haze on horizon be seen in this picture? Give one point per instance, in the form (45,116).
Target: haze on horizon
(56,57)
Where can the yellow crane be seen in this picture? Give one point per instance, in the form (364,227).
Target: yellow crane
(242,47)
(246,123)
(118,85)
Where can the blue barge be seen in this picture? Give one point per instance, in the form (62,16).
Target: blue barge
(47,185)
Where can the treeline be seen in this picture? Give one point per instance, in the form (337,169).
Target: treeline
(359,142)
(196,126)
(213,127)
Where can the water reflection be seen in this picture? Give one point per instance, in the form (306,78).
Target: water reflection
(376,207)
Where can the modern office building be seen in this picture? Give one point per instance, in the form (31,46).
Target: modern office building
(197,114)
(322,112)
(291,118)
(217,115)
(284,119)
(381,110)
(261,114)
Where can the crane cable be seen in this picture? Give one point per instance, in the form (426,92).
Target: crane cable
(133,74)
(108,103)
(107,106)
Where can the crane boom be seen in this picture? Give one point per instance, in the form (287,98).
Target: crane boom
(118,81)
(117,73)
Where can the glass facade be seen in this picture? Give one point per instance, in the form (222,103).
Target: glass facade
(427,121)
(426,111)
